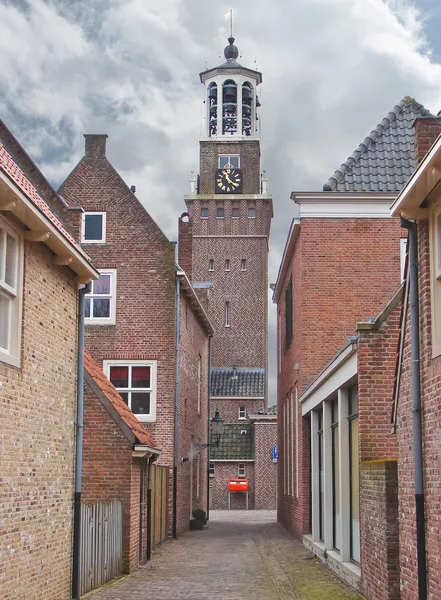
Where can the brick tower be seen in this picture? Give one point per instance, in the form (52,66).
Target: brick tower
(229,217)
(223,247)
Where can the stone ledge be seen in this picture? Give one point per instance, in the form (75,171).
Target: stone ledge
(347,571)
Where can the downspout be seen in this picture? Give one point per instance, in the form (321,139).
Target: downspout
(149,508)
(416,408)
(175,434)
(79,446)
(208,427)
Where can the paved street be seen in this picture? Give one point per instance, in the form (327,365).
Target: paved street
(243,555)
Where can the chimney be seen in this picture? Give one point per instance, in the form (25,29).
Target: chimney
(185,244)
(427,129)
(95,144)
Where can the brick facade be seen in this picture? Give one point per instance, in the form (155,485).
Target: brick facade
(219,489)
(145,327)
(427,130)
(37,406)
(328,255)
(265,470)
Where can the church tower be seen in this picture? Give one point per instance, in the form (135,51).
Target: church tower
(224,236)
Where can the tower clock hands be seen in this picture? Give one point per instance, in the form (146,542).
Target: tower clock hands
(229,181)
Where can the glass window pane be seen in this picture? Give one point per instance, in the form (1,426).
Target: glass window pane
(223,161)
(251,213)
(141,403)
(236,213)
(140,377)
(125,397)
(101,308)
(87,307)
(119,376)
(93,227)
(5,316)
(220,212)
(11,261)
(355,500)
(234,162)
(204,213)
(102,285)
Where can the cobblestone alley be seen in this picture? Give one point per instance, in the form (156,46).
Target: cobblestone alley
(242,555)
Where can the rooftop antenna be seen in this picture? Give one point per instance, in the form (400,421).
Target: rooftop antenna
(229,15)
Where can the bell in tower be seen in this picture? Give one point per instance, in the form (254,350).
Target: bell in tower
(231,98)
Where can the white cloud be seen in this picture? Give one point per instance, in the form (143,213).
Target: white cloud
(129,68)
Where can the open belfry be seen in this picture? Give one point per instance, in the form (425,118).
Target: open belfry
(223,248)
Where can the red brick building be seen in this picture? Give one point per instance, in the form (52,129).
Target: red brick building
(419,463)
(144,323)
(223,247)
(342,263)
(41,266)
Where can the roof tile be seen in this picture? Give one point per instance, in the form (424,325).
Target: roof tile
(239,382)
(235,444)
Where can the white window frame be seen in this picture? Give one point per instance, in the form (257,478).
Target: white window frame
(235,216)
(251,208)
(11,355)
(435,277)
(153,364)
(243,264)
(211,265)
(83,228)
(229,157)
(227,264)
(242,413)
(403,249)
(437,236)
(110,320)
(211,467)
(241,470)
(227,313)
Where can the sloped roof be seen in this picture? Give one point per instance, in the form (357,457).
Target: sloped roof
(109,391)
(235,445)
(383,162)
(240,382)
(13,171)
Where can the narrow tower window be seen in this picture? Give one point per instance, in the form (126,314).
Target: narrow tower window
(220,213)
(235,212)
(211,264)
(251,212)
(204,212)
(247,107)
(243,264)
(227,314)
(229,108)
(227,264)
(212,109)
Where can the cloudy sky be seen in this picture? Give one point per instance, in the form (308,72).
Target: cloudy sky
(332,70)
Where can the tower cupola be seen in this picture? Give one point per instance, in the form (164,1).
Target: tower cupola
(231,98)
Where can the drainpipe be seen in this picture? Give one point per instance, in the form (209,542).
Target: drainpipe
(208,427)
(149,508)
(79,446)
(416,408)
(175,435)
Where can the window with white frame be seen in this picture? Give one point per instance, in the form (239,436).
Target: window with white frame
(94,228)
(100,302)
(136,383)
(220,212)
(403,250)
(242,412)
(11,269)
(211,264)
(251,212)
(243,264)
(435,268)
(211,469)
(204,212)
(241,470)
(235,212)
(227,314)
(227,264)
(229,161)
(438,242)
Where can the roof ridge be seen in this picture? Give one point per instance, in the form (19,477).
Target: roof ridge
(372,137)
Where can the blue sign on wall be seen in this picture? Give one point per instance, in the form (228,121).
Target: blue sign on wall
(275,454)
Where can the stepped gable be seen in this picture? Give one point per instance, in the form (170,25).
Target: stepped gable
(384,161)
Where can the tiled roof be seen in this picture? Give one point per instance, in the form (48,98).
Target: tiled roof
(238,382)
(116,401)
(383,162)
(235,445)
(14,173)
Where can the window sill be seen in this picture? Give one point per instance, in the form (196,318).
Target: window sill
(241,418)
(9,360)
(146,418)
(93,243)
(99,322)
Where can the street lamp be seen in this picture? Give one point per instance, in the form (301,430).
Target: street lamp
(217,429)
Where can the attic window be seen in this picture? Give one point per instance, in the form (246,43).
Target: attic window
(94,228)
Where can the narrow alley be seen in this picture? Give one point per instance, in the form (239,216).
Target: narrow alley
(242,555)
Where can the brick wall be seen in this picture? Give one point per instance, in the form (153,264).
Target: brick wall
(37,411)
(249,152)
(193,424)
(377,355)
(229,409)
(335,269)
(223,471)
(265,470)
(110,472)
(185,250)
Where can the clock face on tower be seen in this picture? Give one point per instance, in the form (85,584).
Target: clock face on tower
(229,181)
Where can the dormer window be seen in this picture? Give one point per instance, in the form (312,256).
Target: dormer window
(94,228)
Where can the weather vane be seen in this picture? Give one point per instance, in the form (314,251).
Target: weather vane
(229,15)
